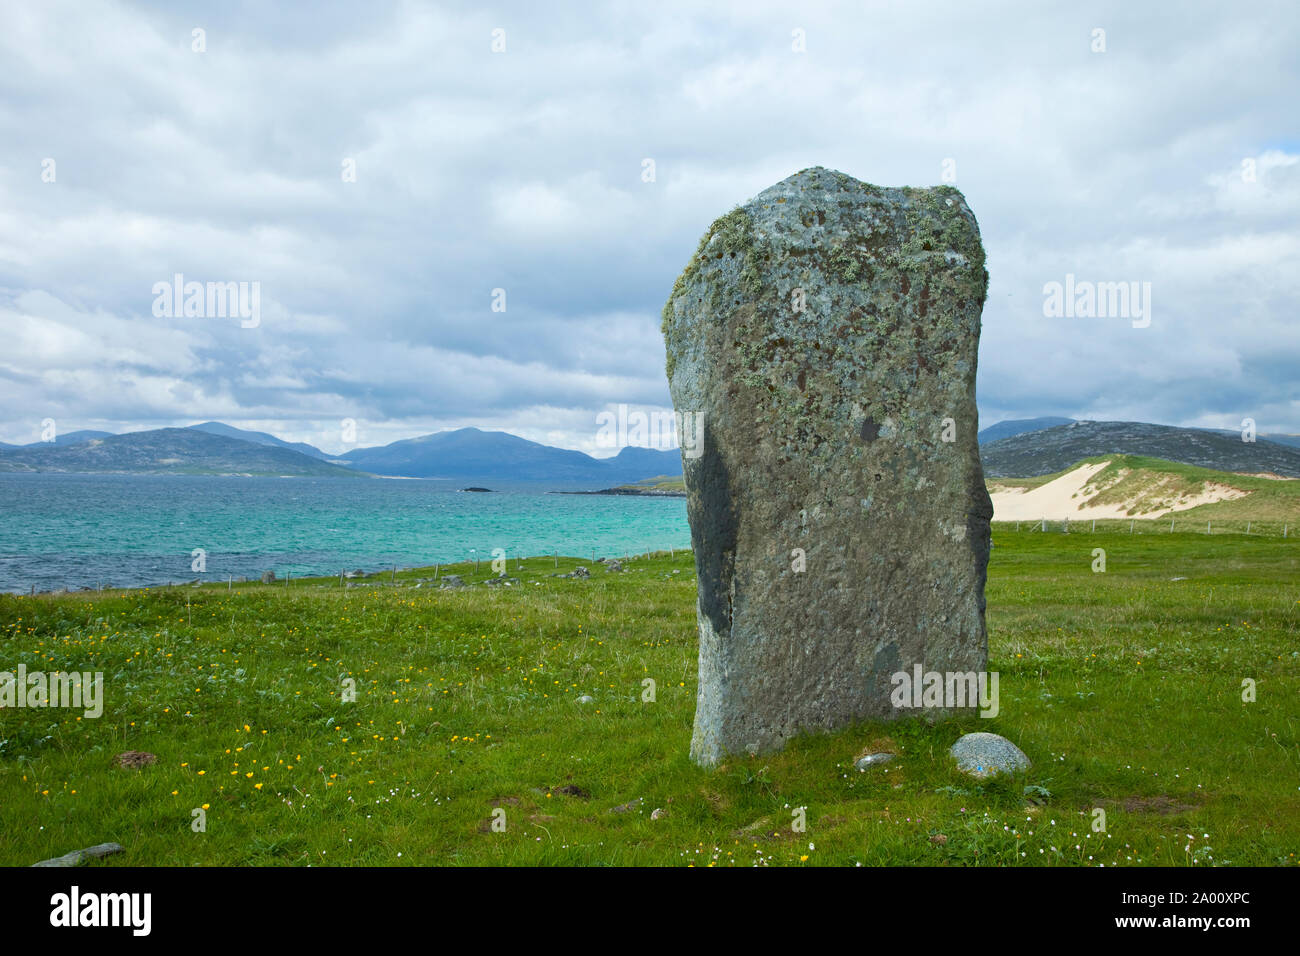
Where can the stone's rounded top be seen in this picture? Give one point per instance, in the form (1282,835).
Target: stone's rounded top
(983,755)
(816,181)
(848,241)
(844,228)
(819,177)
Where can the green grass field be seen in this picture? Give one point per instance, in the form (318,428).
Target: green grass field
(1124,687)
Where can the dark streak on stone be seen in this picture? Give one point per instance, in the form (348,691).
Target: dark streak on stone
(713,535)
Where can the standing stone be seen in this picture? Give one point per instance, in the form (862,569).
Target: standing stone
(825,336)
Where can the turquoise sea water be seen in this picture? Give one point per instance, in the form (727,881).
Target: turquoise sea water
(89,530)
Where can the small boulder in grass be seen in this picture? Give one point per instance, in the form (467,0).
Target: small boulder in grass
(880,751)
(135,759)
(77,857)
(586,699)
(983,755)
(866,761)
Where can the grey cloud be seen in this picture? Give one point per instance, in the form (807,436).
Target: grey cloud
(523,171)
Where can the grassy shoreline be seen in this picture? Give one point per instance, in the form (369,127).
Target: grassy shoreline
(1123,687)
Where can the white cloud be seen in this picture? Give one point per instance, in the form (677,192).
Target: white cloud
(522,170)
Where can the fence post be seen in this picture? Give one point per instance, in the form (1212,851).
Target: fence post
(1130,527)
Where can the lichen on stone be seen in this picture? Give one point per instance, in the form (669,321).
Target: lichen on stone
(734,233)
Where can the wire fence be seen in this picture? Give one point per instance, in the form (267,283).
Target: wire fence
(1263,529)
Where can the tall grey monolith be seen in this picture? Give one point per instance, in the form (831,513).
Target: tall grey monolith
(822,341)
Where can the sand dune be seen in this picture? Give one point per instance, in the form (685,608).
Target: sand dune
(1063,497)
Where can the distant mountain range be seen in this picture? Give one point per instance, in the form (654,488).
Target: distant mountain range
(1018,426)
(71,438)
(261,438)
(1021,426)
(217,448)
(1020,448)
(167,451)
(1049,450)
(471,453)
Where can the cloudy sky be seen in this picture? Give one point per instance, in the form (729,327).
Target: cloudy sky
(133,148)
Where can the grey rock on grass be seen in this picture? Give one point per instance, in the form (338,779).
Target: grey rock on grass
(827,332)
(983,755)
(872,760)
(77,857)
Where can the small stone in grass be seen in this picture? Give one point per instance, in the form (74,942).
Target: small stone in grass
(983,755)
(77,857)
(871,760)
